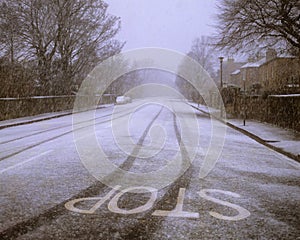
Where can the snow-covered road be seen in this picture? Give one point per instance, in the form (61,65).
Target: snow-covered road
(48,191)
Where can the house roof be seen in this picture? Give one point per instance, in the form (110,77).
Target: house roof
(236,72)
(255,64)
(285,56)
(285,95)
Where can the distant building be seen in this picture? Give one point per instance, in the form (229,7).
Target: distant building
(281,74)
(272,73)
(250,76)
(229,66)
(236,79)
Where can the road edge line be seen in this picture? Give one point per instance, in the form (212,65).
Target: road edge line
(252,136)
(25,161)
(40,119)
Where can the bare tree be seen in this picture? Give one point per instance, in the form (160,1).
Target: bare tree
(64,38)
(203,52)
(10,42)
(248,25)
(86,36)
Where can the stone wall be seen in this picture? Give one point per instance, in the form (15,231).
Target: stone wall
(280,110)
(11,108)
(28,106)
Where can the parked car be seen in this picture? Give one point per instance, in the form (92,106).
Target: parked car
(123,100)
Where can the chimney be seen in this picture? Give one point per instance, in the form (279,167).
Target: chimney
(271,54)
(230,60)
(251,59)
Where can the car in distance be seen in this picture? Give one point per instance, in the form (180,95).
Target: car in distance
(123,100)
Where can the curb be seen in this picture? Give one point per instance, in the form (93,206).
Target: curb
(39,119)
(34,120)
(253,136)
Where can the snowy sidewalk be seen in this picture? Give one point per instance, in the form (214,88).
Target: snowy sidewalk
(39,117)
(281,140)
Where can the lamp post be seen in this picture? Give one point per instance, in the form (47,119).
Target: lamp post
(244,98)
(221,70)
(221,80)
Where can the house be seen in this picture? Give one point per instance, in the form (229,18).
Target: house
(236,79)
(280,74)
(272,73)
(250,76)
(229,66)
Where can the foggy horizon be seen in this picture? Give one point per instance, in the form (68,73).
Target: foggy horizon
(156,23)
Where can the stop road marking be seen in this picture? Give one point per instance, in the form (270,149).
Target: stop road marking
(113,204)
(176,212)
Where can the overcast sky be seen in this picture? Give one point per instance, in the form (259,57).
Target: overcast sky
(169,24)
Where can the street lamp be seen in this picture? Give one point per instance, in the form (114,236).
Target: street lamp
(244,97)
(221,70)
(221,78)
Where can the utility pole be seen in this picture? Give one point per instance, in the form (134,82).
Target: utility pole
(244,98)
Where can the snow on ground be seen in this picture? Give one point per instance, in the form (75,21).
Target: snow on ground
(285,139)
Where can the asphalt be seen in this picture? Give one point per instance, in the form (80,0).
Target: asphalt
(259,188)
(284,141)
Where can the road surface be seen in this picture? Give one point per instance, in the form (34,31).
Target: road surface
(47,192)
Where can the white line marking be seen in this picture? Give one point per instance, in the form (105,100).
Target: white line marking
(243,213)
(290,161)
(177,212)
(293,163)
(26,161)
(71,204)
(113,204)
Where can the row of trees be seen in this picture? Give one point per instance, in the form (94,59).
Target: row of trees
(247,26)
(203,52)
(253,25)
(50,45)
(56,42)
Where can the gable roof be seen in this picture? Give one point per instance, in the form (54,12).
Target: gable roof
(255,64)
(236,72)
